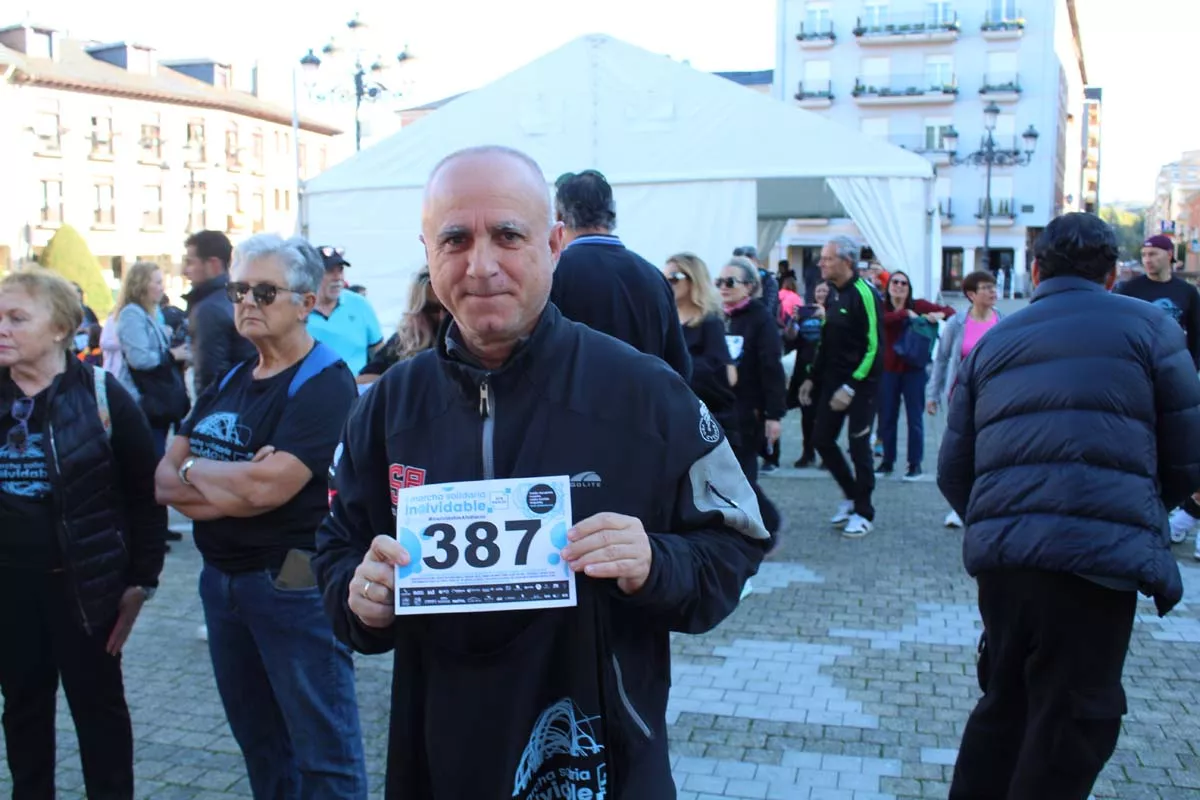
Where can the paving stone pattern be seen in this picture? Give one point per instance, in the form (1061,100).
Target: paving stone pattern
(847,674)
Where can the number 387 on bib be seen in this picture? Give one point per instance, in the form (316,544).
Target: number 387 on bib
(484,546)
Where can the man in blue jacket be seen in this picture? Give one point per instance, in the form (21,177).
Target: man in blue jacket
(557,702)
(1074,426)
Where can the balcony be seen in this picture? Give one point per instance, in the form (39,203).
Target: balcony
(815,94)
(1002,212)
(884,90)
(1001,88)
(821,37)
(910,29)
(998,29)
(946,211)
(926,144)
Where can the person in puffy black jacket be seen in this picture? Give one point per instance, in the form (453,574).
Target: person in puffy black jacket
(1074,426)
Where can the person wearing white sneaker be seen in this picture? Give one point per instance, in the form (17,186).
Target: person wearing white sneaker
(953,520)
(1181,524)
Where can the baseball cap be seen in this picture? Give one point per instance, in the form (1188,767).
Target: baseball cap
(1161,242)
(333,256)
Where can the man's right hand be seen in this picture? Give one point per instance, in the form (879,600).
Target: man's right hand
(371,589)
(805,394)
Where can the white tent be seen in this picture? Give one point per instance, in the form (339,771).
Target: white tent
(696,162)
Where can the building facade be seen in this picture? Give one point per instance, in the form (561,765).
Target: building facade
(1176,208)
(136,153)
(909,72)
(1089,184)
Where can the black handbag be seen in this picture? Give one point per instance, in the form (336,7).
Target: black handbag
(164,395)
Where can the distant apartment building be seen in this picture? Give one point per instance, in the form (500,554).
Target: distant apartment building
(1176,208)
(911,71)
(136,153)
(1089,184)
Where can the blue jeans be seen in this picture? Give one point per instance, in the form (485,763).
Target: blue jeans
(287,686)
(909,387)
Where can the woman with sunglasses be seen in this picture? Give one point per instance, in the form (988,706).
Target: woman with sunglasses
(81,540)
(250,467)
(902,380)
(757,350)
(699,307)
(417,330)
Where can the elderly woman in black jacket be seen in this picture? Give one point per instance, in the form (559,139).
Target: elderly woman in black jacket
(83,540)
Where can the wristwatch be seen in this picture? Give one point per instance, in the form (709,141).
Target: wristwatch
(183,471)
(148,591)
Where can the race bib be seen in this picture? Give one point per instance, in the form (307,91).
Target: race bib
(484,546)
(735,344)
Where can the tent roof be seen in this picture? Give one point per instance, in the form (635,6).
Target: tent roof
(637,116)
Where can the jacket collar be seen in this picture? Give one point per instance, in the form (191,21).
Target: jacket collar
(1065,283)
(607,240)
(209,287)
(462,365)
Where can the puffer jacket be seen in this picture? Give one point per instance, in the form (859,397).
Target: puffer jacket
(1075,426)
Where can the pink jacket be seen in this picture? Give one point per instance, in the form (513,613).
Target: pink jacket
(789,301)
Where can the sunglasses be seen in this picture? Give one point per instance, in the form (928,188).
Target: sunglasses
(22,410)
(676,277)
(330,252)
(263,293)
(728,283)
(900,283)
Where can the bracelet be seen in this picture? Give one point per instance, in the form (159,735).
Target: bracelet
(183,471)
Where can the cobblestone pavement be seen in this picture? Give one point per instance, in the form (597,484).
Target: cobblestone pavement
(846,675)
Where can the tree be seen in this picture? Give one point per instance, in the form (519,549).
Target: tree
(68,255)
(1130,227)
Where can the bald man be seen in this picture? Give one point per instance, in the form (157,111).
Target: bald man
(532,703)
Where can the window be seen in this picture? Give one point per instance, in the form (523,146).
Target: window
(816,73)
(999,10)
(287,143)
(221,76)
(52,204)
(196,150)
(287,199)
(138,60)
(935,132)
(102,134)
(152,211)
(942,190)
(939,12)
(103,214)
(151,141)
(1001,69)
(47,128)
(232,154)
(818,18)
(322,158)
(878,69)
(875,126)
(233,200)
(258,208)
(939,70)
(198,200)
(1002,195)
(875,13)
(257,149)
(303,160)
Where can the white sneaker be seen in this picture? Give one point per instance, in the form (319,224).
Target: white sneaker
(857,527)
(746,590)
(844,512)
(953,520)
(202,633)
(1182,524)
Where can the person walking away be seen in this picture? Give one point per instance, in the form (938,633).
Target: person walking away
(789,304)
(342,320)
(903,380)
(250,467)
(1074,426)
(606,286)
(521,391)
(959,337)
(215,343)
(82,544)
(757,350)
(807,322)
(416,333)
(847,369)
(713,372)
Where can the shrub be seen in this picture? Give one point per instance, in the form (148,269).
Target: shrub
(68,255)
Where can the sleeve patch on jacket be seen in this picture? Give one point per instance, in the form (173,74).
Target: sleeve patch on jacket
(719,486)
(710,431)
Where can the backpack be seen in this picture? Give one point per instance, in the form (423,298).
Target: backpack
(321,357)
(102,401)
(916,344)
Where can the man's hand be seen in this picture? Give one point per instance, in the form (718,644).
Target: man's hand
(774,429)
(127,613)
(840,400)
(610,545)
(805,393)
(371,589)
(931,407)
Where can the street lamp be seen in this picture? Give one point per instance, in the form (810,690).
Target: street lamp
(991,156)
(366,83)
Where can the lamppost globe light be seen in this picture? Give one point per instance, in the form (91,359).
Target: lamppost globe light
(1030,138)
(950,140)
(990,115)
(310,62)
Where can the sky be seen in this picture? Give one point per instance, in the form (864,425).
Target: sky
(1139,59)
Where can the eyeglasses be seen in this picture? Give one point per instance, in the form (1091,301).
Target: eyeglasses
(263,293)
(900,283)
(676,277)
(728,283)
(330,252)
(22,410)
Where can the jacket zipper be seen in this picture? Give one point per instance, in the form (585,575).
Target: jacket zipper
(68,564)
(487,410)
(629,709)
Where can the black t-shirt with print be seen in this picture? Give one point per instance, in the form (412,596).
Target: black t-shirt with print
(234,423)
(26,502)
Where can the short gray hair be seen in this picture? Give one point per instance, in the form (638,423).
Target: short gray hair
(847,249)
(749,273)
(302,264)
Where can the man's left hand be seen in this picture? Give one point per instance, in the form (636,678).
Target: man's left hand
(840,400)
(127,614)
(608,545)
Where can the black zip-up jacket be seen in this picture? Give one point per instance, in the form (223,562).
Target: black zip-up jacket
(761,386)
(216,344)
(540,693)
(850,352)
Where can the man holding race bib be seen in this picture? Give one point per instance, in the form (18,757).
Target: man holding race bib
(562,503)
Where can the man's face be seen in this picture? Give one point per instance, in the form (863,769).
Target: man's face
(1156,260)
(490,245)
(332,284)
(833,268)
(198,270)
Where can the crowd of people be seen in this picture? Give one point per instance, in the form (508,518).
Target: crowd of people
(275,416)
